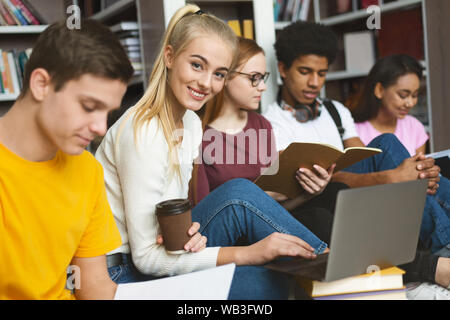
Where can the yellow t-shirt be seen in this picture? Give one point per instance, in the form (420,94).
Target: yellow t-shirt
(50,212)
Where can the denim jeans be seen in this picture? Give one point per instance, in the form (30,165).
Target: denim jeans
(237,209)
(435,229)
(127,272)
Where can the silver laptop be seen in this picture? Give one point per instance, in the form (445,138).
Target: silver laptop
(374,227)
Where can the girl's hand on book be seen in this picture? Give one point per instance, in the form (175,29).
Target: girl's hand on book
(314,183)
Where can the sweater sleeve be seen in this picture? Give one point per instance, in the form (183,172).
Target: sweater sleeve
(142,167)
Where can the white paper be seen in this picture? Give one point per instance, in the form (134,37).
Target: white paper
(210,284)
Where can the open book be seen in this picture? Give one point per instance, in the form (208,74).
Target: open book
(280,177)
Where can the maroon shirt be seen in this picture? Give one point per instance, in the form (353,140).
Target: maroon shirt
(243,155)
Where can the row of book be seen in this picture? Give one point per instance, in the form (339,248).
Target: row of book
(19,13)
(336,7)
(12,69)
(128,34)
(386,284)
(291,10)
(244,29)
(402,33)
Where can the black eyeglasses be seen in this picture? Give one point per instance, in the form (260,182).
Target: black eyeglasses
(256,78)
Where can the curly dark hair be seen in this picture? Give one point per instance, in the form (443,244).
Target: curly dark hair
(303,38)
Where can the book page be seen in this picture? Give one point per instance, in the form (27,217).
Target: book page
(210,284)
(354,155)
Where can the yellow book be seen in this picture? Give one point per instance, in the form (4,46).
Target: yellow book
(386,279)
(248,29)
(236,26)
(280,176)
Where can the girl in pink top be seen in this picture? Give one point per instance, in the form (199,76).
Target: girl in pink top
(390,92)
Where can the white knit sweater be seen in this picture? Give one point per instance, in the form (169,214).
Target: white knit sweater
(137,178)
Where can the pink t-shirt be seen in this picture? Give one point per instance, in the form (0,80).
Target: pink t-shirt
(409,131)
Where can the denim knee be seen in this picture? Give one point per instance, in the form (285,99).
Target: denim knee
(236,188)
(386,139)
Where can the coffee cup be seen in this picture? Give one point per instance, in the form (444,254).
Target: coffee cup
(174,217)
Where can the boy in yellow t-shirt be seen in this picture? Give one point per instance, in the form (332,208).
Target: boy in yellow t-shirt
(54,215)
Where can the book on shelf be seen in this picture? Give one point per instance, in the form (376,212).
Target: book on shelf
(280,176)
(244,29)
(16,13)
(367,3)
(19,13)
(402,33)
(132,48)
(125,26)
(383,284)
(291,10)
(12,68)
(128,34)
(129,42)
(248,29)
(236,26)
(359,50)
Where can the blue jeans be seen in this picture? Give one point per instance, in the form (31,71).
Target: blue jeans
(127,272)
(435,229)
(237,209)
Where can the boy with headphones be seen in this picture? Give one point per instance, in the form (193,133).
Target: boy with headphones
(304,52)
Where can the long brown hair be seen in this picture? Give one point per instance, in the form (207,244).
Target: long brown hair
(248,48)
(386,71)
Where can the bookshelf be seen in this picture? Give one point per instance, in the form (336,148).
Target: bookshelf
(431,108)
(21,37)
(22,29)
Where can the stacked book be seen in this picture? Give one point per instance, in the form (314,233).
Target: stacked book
(128,34)
(291,10)
(386,284)
(12,69)
(19,13)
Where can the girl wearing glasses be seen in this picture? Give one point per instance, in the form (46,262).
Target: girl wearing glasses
(148,155)
(239,143)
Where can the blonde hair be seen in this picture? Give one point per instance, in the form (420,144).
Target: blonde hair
(186,24)
(248,48)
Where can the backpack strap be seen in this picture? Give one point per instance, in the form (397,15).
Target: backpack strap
(335,115)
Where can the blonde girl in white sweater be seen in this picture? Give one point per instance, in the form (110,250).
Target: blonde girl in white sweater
(148,155)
